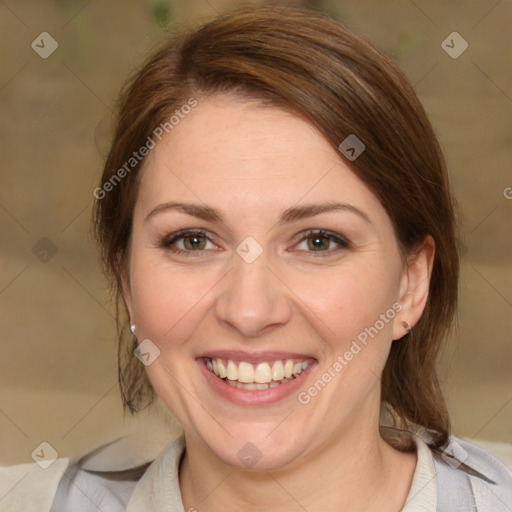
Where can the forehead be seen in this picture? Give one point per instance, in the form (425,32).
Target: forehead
(238,154)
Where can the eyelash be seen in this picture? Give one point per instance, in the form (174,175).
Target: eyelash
(167,242)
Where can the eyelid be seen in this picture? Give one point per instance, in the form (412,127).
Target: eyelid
(342,241)
(168,241)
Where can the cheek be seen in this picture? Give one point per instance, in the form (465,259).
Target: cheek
(167,301)
(347,302)
(354,316)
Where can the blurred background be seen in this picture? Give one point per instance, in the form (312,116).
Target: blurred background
(58,368)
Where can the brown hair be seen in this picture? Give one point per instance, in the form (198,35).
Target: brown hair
(314,66)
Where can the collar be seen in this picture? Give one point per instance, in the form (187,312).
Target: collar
(158,490)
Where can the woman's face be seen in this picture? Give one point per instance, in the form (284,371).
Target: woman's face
(289,284)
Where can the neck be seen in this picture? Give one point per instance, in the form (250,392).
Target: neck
(354,471)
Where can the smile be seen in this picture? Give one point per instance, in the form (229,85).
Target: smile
(259,376)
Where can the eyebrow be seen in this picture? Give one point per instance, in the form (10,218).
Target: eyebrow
(290,215)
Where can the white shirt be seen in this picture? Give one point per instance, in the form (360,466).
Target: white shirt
(158,490)
(475,482)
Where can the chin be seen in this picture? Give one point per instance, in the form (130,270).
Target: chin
(251,447)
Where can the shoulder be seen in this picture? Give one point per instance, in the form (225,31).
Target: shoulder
(30,487)
(102,479)
(467,473)
(461,477)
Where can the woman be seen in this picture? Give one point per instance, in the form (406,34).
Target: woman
(276,216)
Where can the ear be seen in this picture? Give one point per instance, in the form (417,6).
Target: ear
(414,287)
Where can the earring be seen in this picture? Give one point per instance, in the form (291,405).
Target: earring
(132,328)
(406,326)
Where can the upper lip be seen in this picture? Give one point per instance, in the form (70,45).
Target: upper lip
(252,357)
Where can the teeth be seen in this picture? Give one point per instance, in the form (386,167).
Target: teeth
(245,373)
(288,368)
(221,369)
(261,376)
(278,370)
(232,371)
(240,385)
(263,373)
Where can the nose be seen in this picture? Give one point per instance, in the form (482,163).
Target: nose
(253,300)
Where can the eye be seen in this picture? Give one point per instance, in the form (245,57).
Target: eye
(320,241)
(193,242)
(186,242)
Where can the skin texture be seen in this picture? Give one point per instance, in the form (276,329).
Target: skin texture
(251,163)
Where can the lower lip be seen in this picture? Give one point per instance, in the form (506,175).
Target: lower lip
(255,397)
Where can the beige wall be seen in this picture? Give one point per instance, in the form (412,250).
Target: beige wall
(57,357)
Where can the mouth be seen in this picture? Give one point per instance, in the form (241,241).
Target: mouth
(255,379)
(256,376)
